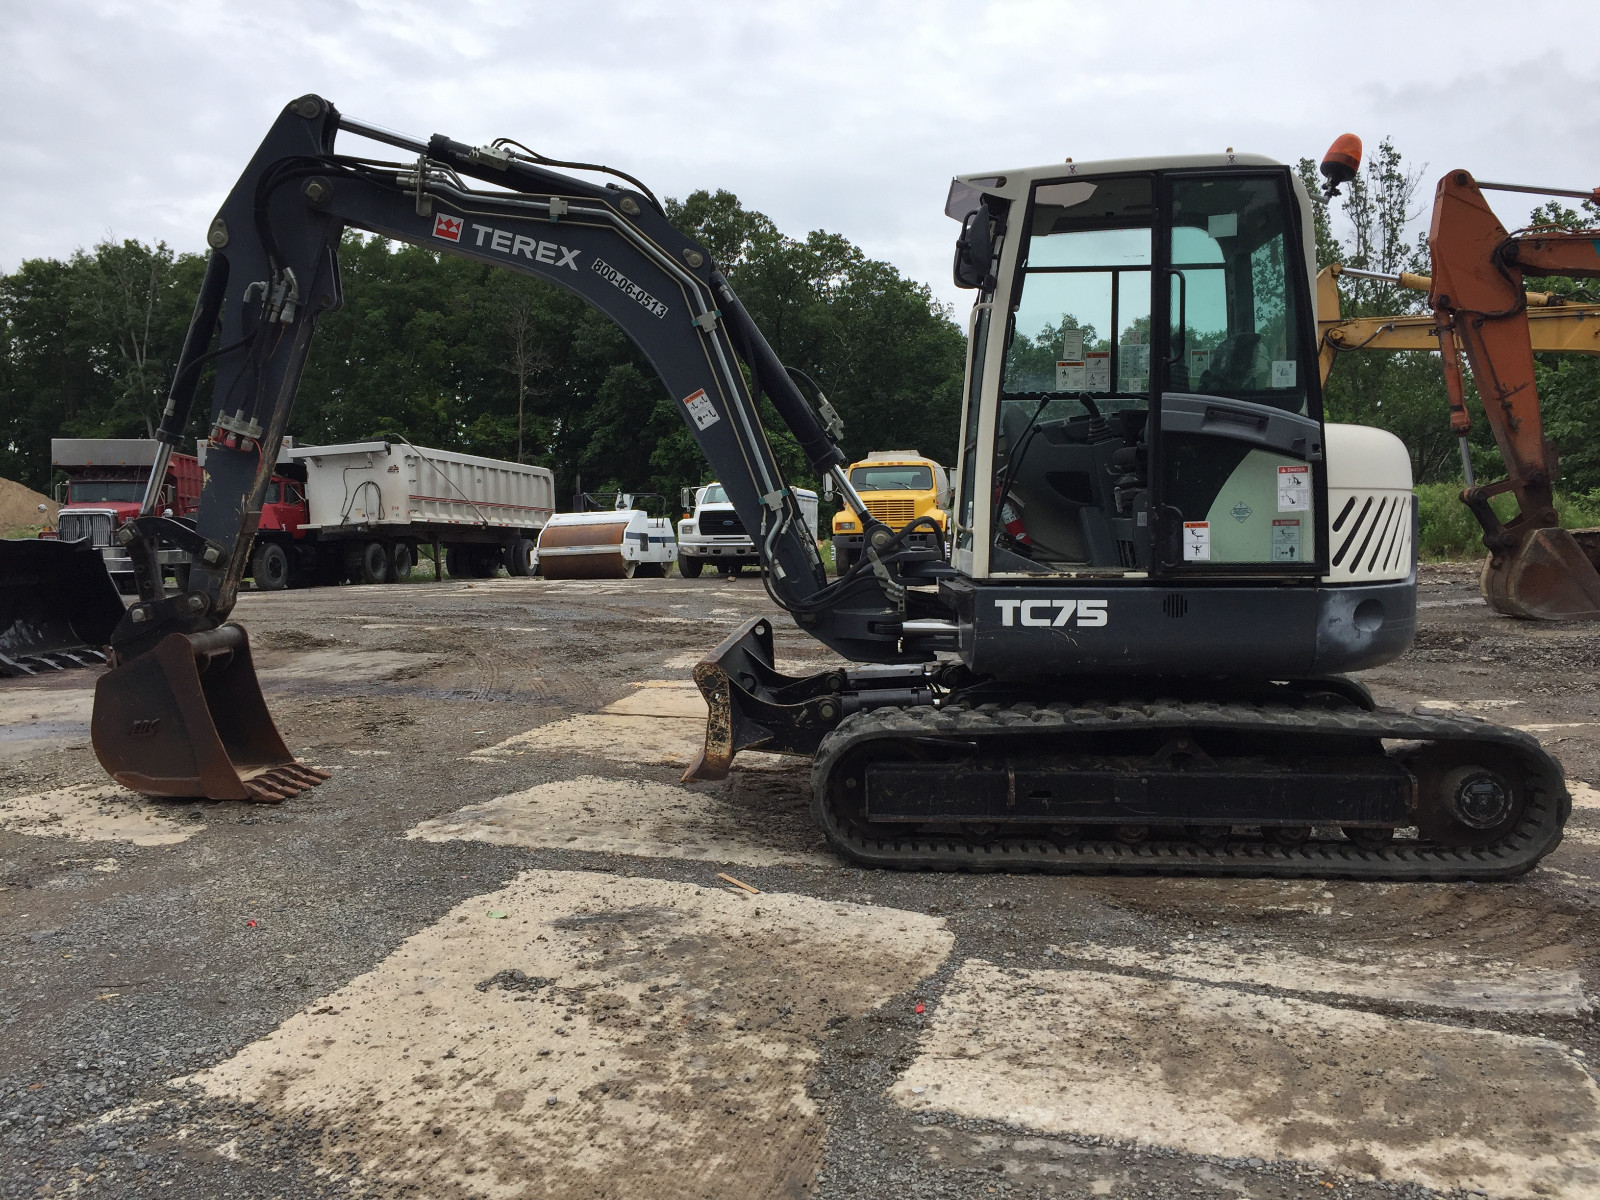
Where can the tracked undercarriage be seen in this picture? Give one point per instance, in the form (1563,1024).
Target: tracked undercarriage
(924,768)
(1297,786)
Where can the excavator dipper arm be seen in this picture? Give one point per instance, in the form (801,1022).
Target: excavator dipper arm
(1535,569)
(182,677)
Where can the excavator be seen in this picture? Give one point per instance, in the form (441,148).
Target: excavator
(1133,655)
(1534,569)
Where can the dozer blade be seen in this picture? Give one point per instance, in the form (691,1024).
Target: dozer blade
(188,719)
(58,606)
(1549,578)
(751,703)
(754,706)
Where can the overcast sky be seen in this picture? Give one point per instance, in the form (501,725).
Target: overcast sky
(133,119)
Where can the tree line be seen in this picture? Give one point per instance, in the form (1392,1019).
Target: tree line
(465,356)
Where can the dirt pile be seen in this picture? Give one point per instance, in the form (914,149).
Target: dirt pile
(19,508)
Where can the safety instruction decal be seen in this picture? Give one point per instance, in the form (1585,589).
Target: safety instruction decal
(1294,489)
(1072,344)
(1286,540)
(1283,372)
(1097,366)
(1071,376)
(1197,541)
(701,410)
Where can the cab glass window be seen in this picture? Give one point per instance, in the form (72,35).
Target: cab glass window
(1234,311)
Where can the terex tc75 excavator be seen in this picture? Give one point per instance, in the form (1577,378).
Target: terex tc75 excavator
(1162,558)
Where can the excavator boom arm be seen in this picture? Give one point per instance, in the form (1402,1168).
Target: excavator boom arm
(181,712)
(274,270)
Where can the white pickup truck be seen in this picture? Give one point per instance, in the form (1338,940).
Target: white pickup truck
(713,531)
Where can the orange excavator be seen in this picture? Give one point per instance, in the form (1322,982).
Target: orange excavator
(1535,569)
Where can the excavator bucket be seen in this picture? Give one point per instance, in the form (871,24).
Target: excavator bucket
(58,606)
(188,719)
(1552,577)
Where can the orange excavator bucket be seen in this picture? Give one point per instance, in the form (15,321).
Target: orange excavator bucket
(1550,576)
(188,719)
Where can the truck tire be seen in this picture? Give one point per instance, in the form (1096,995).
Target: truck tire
(842,563)
(270,566)
(521,555)
(401,559)
(366,562)
(455,561)
(484,562)
(689,566)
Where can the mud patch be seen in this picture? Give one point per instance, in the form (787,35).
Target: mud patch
(656,1036)
(1211,1070)
(1442,980)
(95,812)
(343,665)
(629,816)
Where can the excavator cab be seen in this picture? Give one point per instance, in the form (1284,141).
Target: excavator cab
(1119,443)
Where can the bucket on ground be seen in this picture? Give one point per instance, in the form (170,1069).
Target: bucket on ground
(58,605)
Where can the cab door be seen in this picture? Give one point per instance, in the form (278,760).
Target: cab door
(1236,421)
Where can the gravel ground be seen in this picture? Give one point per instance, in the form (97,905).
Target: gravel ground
(166,964)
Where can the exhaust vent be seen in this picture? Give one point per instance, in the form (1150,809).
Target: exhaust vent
(1175,604)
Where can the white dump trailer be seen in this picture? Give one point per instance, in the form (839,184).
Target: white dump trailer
(359,511)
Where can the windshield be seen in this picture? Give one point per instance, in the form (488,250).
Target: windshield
(714,495)
(104,491)
(892,479)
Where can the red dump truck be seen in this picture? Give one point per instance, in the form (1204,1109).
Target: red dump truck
(105,485)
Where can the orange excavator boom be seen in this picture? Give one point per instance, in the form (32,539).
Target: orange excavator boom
(1535,569)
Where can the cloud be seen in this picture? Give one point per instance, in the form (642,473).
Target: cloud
(133,119)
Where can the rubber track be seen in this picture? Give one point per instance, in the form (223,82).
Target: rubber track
(1537,834)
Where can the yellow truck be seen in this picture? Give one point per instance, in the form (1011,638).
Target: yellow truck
(898,486)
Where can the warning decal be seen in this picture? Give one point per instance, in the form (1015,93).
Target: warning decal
(1286,540)
(1197,541)
(1071,376)
(701,410)
(1097,368)
(1294,489)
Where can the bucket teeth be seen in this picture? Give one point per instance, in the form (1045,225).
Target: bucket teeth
(280,783)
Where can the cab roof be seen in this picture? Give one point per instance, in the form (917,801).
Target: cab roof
(1013,184)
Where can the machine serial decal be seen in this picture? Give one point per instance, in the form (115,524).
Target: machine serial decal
(628,287)
(507,243)
(1088,613)
(447,227)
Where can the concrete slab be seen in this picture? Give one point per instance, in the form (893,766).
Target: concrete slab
(662,698)
(586,1034)
(1213,1070)
(1376,973)
(621,816)
(662,722)
(96,812)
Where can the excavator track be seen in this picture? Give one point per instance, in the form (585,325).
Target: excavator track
(1532,830)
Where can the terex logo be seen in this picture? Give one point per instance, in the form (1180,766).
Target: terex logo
(536,251)
(1038,612)
(447,227)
